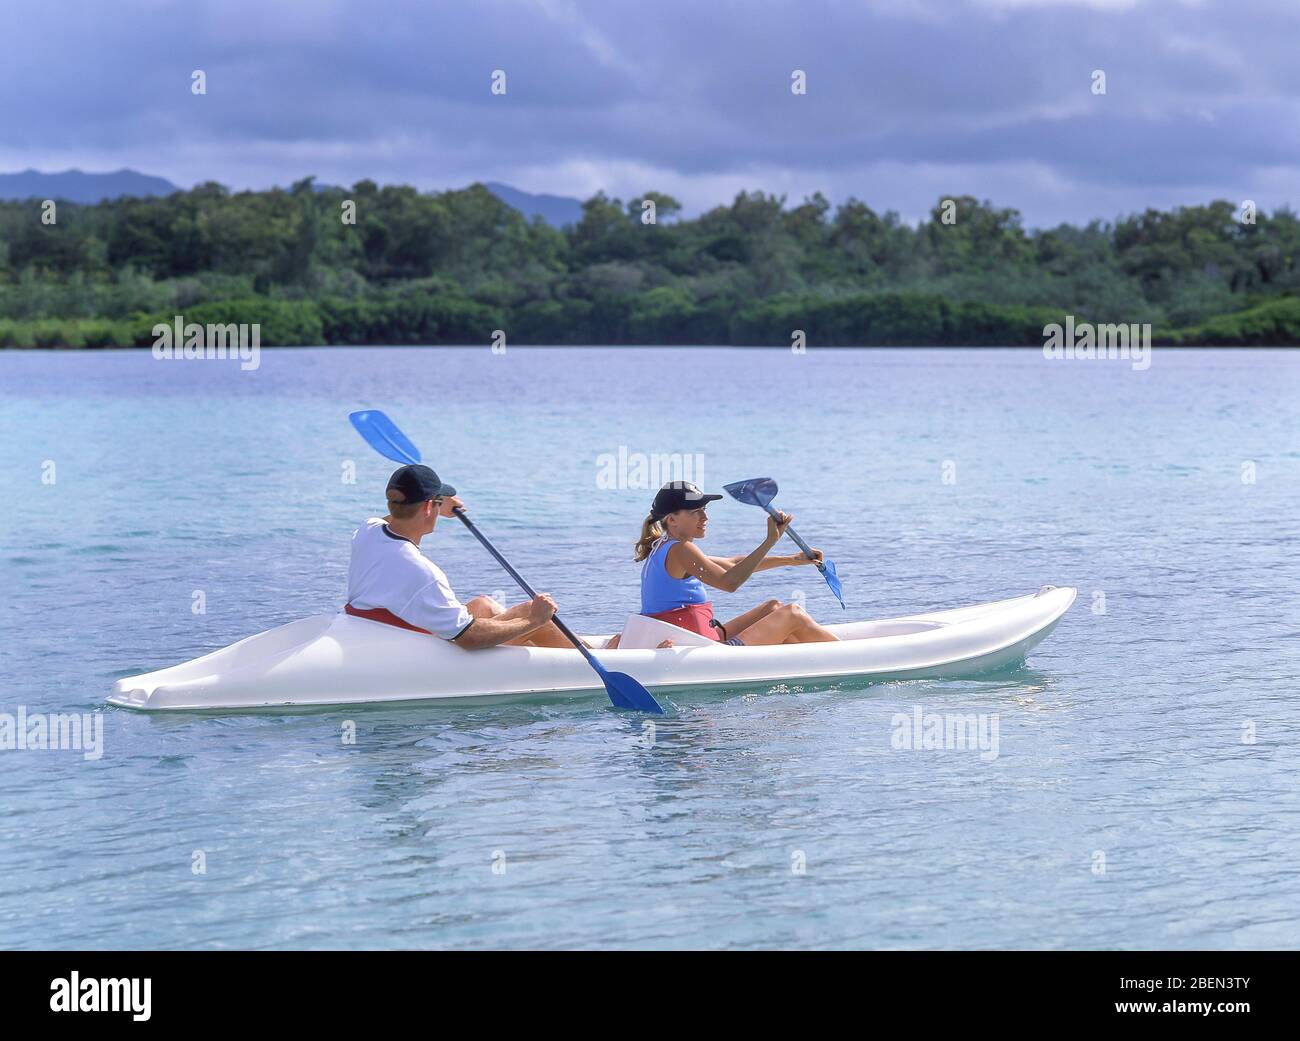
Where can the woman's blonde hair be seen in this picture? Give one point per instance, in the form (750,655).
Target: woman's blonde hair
(651,532)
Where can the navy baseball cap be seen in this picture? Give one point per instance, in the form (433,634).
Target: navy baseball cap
(417,483)
(678,495)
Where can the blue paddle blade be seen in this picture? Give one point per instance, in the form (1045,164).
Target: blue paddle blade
(382,435)
(625,692)
(757,491)
(827,568)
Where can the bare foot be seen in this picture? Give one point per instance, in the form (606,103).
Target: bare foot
(666,643)
(613,642)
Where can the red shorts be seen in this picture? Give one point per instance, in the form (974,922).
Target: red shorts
(695,617)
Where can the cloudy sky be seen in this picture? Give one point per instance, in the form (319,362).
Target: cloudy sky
(907,100)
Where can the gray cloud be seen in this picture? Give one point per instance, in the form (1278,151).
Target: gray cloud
(906,100)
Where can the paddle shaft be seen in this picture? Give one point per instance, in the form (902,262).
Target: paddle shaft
(568,633)
(807,549)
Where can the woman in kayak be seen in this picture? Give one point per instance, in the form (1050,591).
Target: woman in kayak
(675,572)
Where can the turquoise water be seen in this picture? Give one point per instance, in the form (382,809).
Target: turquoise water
(1127,805)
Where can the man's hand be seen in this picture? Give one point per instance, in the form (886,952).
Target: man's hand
(450,505)
(542,609)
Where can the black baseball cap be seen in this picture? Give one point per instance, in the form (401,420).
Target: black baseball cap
(417,483)
(678,495)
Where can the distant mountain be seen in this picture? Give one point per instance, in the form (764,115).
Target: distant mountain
(556,210)
(76,186)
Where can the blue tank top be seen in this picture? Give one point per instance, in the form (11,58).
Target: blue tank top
(660,591)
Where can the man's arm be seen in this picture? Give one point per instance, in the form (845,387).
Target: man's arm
(492,632)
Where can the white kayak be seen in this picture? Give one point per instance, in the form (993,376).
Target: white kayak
(339,659)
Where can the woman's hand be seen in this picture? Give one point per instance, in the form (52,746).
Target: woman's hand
(817,557)
(776,526)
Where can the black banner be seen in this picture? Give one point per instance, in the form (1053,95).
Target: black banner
(142,990)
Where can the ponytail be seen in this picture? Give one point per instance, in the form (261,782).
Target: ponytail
(651,532)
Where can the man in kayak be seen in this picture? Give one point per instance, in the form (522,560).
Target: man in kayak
(391,581)
(676,571)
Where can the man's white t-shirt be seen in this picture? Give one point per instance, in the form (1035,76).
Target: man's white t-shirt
(389,571)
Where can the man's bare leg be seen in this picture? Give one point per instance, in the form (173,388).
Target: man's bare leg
(548,635)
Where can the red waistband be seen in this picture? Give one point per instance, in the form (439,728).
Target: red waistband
(380,614)
(695,617)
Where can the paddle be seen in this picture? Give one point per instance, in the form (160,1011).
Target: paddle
(760,491)
(383,435)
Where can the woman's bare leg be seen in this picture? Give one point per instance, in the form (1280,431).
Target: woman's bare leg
(789,623)
(742,622)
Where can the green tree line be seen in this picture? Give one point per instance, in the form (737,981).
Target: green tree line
(452,267)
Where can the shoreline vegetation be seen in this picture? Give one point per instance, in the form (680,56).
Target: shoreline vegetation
(452,267)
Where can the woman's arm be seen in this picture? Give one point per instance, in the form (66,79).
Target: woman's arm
(769,562)
(692,561)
